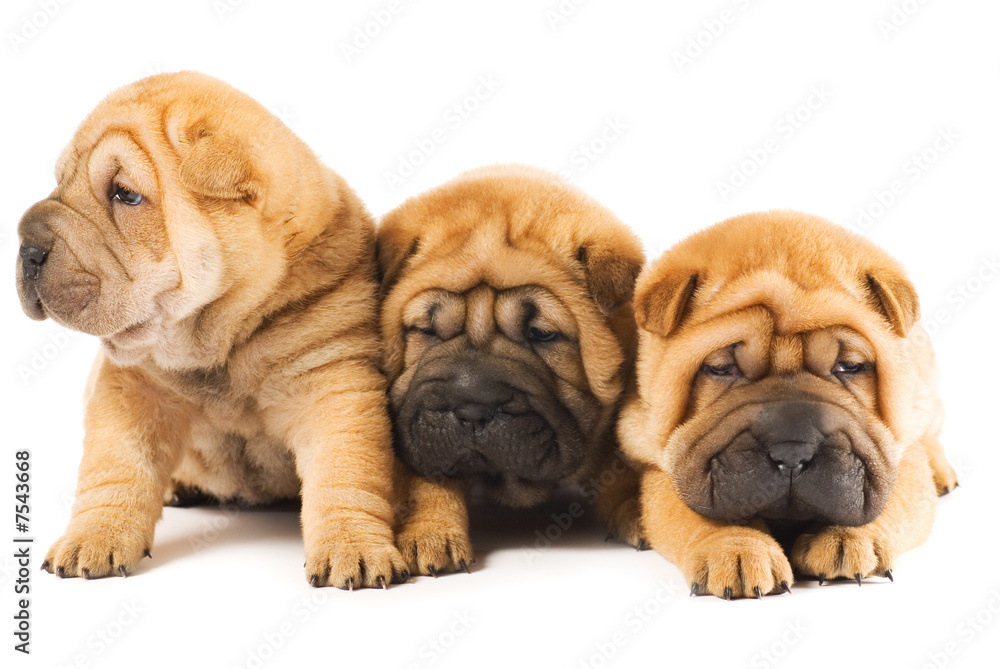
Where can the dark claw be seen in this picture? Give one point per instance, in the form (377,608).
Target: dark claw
(60,572)
(464,567)
(857,577)
(146,553)
(694,589)
(45,566)
(85,573)
(609,537)
(122,572)
(314,580)
(785,588)
(432,571)
(888,575)
(642,545)
(758,594)
(727,594)
(821,578)
(380,582)
(405,576)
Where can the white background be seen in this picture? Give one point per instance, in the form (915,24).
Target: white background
(222,587)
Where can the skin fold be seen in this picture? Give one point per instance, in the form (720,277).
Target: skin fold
(784,408)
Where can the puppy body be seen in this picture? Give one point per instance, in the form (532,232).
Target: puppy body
(236,305)
(782,387)
(508,335)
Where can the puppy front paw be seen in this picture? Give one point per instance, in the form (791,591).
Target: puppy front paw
(843,552)
(625,523)
(352,554)
(98,549)
(737,562)
(430,548)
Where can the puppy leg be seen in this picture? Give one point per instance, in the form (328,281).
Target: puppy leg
(617,503)
(858,552)
(133,435)
(945,478)
(433,534)
(717,559)
(338,428)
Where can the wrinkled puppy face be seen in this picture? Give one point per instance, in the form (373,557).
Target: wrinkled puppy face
(508,330)
(772,371)
(95,255)
(156,211)
(494,389)
(786,427)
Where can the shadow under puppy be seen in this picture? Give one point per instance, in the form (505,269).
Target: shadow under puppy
(509,337)
(231,278)
(783,391)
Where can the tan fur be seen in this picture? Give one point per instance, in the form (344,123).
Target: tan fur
(793,293)
(477,246)
(236,305)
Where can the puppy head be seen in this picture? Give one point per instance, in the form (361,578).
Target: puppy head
(507,326)
(773,376)
(169,200)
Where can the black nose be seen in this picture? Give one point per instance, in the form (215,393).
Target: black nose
(790,432)
(33,258)
(475,396)
(791,456)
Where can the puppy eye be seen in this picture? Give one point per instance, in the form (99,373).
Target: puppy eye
(539,335)
(846,368)
(125,196)
(427,332)
(720,370)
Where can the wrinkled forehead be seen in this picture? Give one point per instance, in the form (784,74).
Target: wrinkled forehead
(513,306)
(483,260)
(130,125)
(791,308)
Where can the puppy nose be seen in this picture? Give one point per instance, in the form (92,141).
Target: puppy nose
(33,258)
(791,456)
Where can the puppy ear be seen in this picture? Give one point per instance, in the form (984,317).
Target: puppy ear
(219,166)
(896,298)
(610,277)
(661,307)
(392,251)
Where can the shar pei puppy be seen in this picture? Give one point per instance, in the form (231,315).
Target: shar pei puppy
(784,407)
(231,279)
(509,338)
